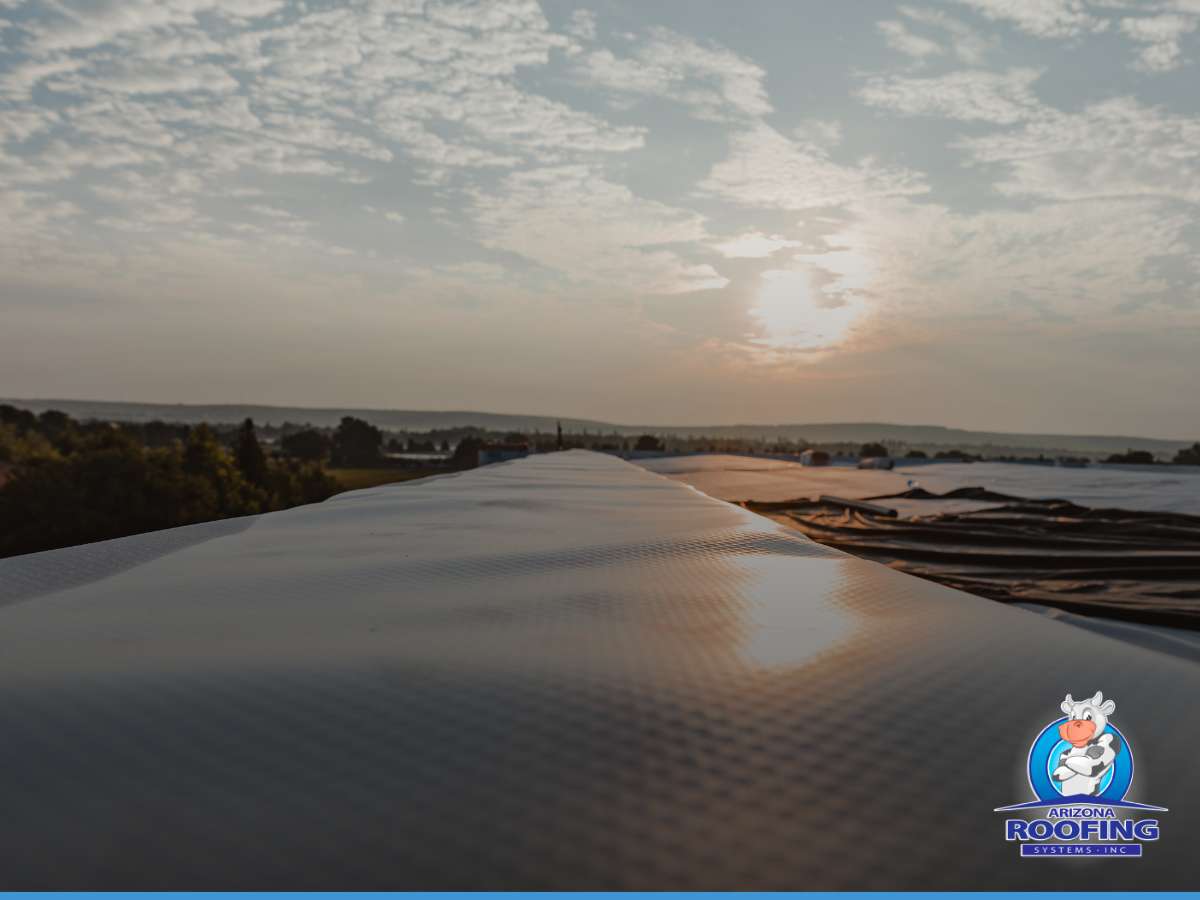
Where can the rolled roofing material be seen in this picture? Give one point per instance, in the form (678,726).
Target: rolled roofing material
(561,672)
(859,505)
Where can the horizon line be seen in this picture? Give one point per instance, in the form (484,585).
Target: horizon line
(381,409)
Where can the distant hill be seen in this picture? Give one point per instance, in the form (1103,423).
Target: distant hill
(388,419)
(928,436)
(937,436)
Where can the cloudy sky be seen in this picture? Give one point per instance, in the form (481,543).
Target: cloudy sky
(982,213)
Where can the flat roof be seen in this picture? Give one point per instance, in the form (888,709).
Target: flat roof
(559,672)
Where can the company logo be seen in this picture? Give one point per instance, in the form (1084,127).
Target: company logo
(1080,769)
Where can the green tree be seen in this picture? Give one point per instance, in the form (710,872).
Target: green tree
(204,457)
(292,482)
(57,502)
(249,455)
(1132,457)
(54,424)
(308,444)
(356,443)
(1188,456)
(111,485)
(872,450)
(17,446)
(647,442)
(109,488)
(21,419)
(160,434)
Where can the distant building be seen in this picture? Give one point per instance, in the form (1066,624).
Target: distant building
(492,453)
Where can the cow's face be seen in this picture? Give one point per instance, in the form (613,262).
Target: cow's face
(1086,719)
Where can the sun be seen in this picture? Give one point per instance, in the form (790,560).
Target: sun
(792,316)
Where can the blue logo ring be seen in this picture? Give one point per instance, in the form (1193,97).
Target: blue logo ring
(1047,745)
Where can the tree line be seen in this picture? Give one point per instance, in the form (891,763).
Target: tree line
(1185,456)
(64,482)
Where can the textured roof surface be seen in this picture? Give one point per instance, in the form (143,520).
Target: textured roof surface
(561,672)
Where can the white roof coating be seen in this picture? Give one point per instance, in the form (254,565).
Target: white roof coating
(560,672)
(1159,488)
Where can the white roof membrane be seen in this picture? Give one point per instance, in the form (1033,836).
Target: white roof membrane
(560,672)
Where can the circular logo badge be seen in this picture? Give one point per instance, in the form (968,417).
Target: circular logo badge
(1049,746)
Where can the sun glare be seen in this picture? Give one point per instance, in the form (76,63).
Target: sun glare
(791,314)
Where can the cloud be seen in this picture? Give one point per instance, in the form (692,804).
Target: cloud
(1161,36)
(442,86)
(767,170)
(823,132)
(907,272)
(753,245)
(19,125)
(1041,18)
(1110,186)
(899,38)
(17,83)
(219,92)
(83,24)
(1113,149)
(712,81)
(33,223)
(341,81)
(390,215)
(476,269)
(146,77)
(1002,98)
(964,41)
(574,221)
(583,25)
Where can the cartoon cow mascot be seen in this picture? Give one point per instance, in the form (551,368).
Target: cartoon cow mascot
(1081,768)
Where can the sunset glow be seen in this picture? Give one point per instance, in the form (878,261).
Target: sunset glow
(793,317)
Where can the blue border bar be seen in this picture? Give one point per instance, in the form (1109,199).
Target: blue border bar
(570,895)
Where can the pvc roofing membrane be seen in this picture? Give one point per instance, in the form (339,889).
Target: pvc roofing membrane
(560,672)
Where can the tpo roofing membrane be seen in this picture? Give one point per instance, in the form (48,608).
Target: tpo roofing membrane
(561,672)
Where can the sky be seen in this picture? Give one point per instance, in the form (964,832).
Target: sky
(975,213)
